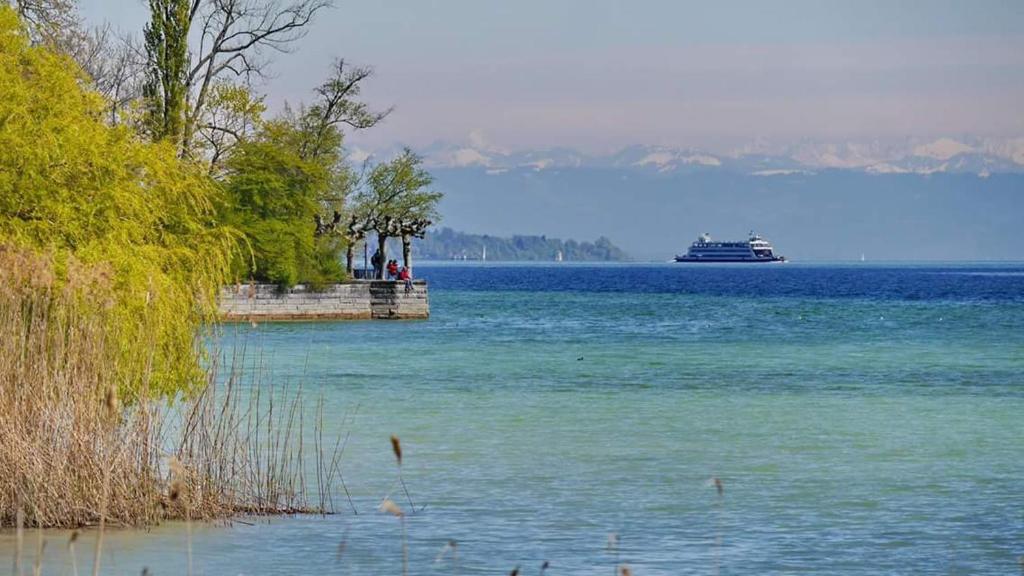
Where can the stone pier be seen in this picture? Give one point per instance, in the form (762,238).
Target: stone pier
(354,300)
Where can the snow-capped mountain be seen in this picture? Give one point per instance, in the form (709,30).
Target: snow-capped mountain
(982,157)
(463,155)
(662,158)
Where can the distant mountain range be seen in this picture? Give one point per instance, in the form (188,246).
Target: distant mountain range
(979,156)
(822,215)
(944,199)
(448,244)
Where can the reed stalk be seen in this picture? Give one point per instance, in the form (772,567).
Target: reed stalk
(71,552)
(719,503)
(103,521)
(388,506)
(19,540)
(613,548)
(396,448)
(37,566)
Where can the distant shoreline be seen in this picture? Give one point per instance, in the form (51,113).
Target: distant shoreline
(452,245)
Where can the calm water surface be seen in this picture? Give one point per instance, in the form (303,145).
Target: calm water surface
(862,419)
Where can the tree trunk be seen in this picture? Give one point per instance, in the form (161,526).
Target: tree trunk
(382,249)
(350,254)
(407,252)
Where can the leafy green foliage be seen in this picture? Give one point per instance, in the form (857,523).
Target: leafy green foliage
(165,90)
(233,114)
(399,189)
(273,197)
(289,173)
(89,194)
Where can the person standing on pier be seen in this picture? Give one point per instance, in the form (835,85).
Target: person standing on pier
(375,261)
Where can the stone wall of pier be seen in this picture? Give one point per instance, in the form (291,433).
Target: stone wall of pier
(355,300)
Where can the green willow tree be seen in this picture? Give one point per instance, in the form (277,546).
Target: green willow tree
(84,193)
(167,63)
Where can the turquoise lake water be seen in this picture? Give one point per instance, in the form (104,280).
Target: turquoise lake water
(861,419)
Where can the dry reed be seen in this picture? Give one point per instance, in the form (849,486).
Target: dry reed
(75,452)
(388,506)
(80,448)
(396,448)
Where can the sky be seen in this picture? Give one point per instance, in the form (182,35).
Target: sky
(597,75)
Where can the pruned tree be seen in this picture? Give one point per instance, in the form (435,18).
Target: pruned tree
(395,202)
(324,227)
(407,230)
(353,233)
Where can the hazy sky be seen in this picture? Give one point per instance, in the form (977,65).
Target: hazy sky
(600,74)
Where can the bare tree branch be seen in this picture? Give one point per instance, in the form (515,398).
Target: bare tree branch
(52,22)
(337,104)
(116,64)
(234,35)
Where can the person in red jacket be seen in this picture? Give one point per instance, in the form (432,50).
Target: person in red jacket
(406,276)
(392,269)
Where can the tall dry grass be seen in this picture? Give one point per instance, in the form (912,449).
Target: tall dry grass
(75,451)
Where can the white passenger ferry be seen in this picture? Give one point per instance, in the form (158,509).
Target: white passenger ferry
(755,249)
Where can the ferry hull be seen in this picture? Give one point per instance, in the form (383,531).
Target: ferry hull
(729,260)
